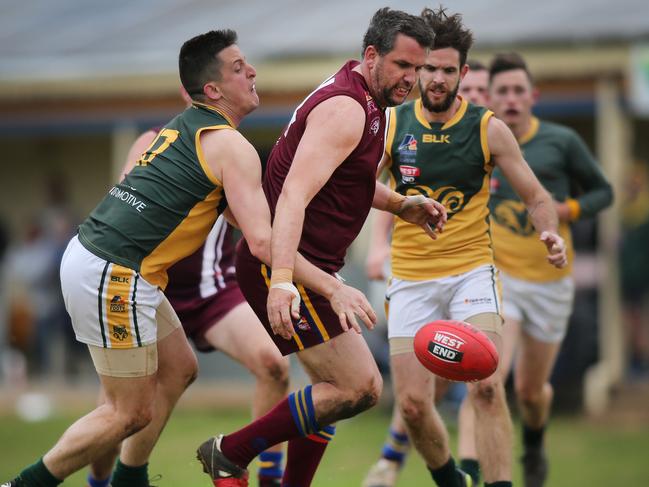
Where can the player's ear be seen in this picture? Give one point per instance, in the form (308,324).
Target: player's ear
(463,71)
(370,56)
(212,91)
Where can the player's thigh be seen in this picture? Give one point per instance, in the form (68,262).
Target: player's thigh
(511,338)
(241,336)
(344,361)
(129,395)
(175,355)
(411,382)
(535,362)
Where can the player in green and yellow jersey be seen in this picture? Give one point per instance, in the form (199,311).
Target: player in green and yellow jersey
(537,299)
(113,273)
(443,147)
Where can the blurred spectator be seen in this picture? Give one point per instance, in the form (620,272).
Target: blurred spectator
(634,268)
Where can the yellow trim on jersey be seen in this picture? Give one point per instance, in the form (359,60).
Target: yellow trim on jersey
(316,318)
(201,157)
(529,135)
(419,113)
(184,240)
(214,109)
(455,119)
(484,139)
(389,139)
(118,307)
(264,273)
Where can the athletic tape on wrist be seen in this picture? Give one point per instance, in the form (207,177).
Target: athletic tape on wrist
(290,287)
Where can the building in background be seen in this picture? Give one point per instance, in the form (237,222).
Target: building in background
(79,79)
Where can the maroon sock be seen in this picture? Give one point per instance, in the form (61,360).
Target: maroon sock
(303,457)
(274,427)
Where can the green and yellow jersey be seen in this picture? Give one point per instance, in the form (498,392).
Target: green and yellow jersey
(565,167)
(165,207)
(449,162)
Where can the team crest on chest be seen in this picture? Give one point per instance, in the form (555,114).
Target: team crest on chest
(374,126)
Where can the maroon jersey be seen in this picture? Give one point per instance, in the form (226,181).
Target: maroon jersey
(337,212)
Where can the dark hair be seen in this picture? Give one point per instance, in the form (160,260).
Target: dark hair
(198,62)
(449,31)
(475,65)
(508,62)
(386,24)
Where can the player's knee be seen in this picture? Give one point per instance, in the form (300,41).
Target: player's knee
(135,419)
(487,392)
(364,397)
(190,371)
(530,394)
(272,366)
(414,407)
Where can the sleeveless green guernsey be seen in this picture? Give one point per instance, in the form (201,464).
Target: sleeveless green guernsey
(165,207)
(564,166)
(450,163)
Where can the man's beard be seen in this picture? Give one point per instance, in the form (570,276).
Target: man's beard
(442,106)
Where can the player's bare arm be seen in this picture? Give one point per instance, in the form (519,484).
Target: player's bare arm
(140,145)
(507,155)
(334,129)
(238,167)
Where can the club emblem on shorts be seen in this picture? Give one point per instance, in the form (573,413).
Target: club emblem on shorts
(120,332)
(446,346)
(303,324)
(117,304)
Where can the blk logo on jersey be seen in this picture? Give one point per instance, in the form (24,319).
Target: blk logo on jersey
(436,139)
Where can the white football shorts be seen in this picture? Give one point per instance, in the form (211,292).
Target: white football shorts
(542,308)
(111,306)
(412,304)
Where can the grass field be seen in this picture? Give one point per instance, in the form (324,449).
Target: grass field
(581,453)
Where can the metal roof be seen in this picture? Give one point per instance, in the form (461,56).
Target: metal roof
(84,39)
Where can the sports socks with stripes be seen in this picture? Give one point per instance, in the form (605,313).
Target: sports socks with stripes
(304,455)
(396,447)
(270,467)
(291,418)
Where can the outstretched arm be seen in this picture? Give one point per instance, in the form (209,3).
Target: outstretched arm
(507,155)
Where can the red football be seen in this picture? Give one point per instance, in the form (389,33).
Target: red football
(456,350)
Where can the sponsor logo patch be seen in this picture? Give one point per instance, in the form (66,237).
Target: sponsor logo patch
(446,346)
(409,173)
(117,304)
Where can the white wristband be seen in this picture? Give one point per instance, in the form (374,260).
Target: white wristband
(290,287)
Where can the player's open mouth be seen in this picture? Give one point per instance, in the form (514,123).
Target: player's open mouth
(402,91)
(511,112)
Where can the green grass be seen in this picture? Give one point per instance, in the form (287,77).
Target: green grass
(581,453)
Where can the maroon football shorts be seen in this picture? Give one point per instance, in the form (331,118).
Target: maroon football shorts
(198,314)
(317,324)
